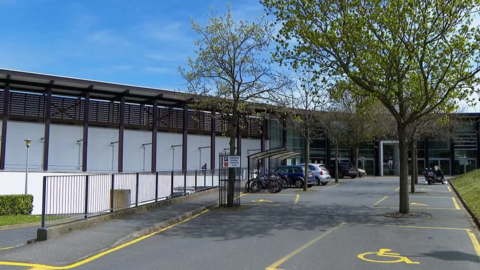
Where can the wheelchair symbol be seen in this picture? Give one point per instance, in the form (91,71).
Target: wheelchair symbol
(385,253)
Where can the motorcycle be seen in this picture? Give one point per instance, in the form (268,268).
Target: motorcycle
(434,175)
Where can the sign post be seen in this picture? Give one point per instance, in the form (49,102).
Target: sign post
(231,162)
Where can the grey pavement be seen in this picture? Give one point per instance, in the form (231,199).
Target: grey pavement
(330,227)
(13,236)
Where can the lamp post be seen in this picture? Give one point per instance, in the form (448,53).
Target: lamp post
(27,144)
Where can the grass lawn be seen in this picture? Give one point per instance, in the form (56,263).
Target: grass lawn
(19,219)
(468,186)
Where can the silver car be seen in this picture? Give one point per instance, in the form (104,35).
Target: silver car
(321,174)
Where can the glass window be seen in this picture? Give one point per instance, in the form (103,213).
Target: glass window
(439,153)
(465,153)
(420,144)
(421,153)
(319,144)
(282,170)
(367,153)
(438,145)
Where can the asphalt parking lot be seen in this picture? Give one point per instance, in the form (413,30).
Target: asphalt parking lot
(329,227)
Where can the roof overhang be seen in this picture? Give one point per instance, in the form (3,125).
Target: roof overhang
(35,82)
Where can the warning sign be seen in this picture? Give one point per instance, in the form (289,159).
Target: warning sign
(231,161)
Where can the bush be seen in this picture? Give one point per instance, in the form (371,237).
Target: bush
(16,204)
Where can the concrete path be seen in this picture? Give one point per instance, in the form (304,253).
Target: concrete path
(331,227)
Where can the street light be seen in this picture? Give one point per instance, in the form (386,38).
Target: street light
(27,144)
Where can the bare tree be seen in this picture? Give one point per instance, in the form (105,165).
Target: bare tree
(230,72)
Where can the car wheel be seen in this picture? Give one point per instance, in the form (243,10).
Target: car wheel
(353,177)
(324,184)
(299,183)
(317,181)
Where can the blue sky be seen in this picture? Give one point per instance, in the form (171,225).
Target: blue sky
(132,42)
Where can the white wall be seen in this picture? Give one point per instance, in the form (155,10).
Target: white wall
(65,153)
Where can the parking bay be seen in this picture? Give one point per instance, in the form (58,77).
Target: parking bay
(420,202)
(364,246)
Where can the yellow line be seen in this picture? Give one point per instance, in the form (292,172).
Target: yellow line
(20,226)
(101,254)
(397,189)
(475,243)
(433,197)
(6,248)
(449,189)
(270,194)
(381,200)
(409,226)
(336,185)
(296,200)
(429,208)
(295,252)
(455,203)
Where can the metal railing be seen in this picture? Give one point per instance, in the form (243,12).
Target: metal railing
(73,197)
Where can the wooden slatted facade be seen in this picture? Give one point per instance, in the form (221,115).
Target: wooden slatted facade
(24,106)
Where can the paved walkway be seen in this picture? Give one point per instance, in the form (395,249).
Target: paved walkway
(332,227)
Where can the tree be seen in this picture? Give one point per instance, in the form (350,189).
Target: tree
(230,72)
(415,57)
(362,123)
(301,108)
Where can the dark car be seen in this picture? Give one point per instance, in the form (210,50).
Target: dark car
(344,169)
(295,175)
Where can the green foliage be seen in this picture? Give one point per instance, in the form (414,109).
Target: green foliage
(414,56)
(16,204)
(468,186)
(229,72)
(19,219)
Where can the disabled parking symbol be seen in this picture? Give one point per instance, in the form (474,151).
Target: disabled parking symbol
(385,255)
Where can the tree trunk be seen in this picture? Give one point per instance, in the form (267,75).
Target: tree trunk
(336,163)
(355,157)
(404,202)
(412,177)
(307,159)
(415,162)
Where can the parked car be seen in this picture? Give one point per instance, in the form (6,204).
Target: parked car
(344,169)
(295,175)
(361,172)
(320,172)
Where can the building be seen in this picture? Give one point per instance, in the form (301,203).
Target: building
(80,125)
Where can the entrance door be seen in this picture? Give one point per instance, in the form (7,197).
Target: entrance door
(443,163)
(390,158)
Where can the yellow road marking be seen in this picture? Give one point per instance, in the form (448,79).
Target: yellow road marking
(385,252)
(423,227)
(428,208)
(270,194)
(20,226)
(99,255)
(295,252)
(6,248)
(419,204)
(449,189)
(381,200)
(336,185)
(398,188)
(261,200)
(475,243)
(456,204)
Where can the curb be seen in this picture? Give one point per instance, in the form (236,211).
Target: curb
(55,231)
(475,220)
(162,224)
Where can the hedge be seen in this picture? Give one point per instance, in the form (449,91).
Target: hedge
(16,204)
